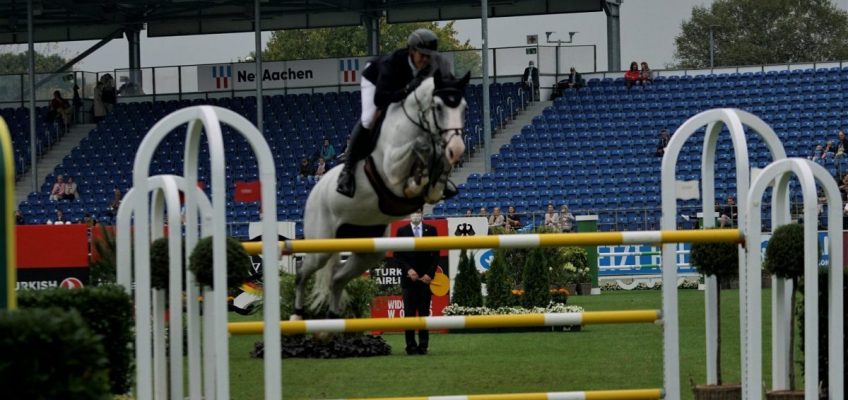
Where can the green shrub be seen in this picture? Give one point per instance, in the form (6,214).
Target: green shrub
(103,270)
(361,292)
(160,264)
(238,262)
(718,259)
(785,252)
(108,310)
(51,354)
(467,290)
(536,280)
(579,260)
(498,283)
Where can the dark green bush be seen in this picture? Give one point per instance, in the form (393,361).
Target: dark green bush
(238,262)
(51,354)
(103,270)
(719,259)
(498,283)
(160,264)
(823,320)
(467,290)
(108,311)
(785,252)
(536,280)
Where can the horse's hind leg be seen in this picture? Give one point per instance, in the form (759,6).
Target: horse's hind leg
(355,266)
(312,262)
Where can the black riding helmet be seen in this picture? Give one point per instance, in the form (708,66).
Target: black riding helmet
(423,40)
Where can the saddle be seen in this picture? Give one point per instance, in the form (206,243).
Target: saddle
(388,202)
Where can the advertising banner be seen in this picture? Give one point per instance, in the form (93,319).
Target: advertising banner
(469,226)
(281,74)
(52,256)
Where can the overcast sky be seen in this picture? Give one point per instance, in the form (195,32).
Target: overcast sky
(648,28)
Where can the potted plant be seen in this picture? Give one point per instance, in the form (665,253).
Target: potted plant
(785,259)
(722,261)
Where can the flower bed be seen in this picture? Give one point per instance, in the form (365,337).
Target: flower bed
(454,309)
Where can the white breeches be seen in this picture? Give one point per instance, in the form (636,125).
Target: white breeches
(369,109)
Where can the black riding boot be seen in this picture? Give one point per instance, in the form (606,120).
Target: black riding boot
(358,147)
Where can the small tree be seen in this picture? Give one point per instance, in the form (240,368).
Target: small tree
(238,262)
(498,288)
(467,291)
(785,259)
(722,261)
(536,280)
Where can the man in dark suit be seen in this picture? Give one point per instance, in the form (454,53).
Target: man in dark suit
(531,78)
(418,268)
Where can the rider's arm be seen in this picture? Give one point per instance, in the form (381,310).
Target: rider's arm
(392,81)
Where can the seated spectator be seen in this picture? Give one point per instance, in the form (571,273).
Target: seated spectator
(19,218)
(484,212)
(829,150)
(664,138)
(115,204)
(320,169)
(58,191)
(496,220)
(841,144)
(645,75)
(552,217)
(306,171)
(727,213)
(843,187)
(574,80)
(71,192)
(566,219)
(469,213)
(60,218)
(632,76)
(328,152)
(513,219)
(817,154)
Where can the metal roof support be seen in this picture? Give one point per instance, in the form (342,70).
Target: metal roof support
(372,27)
(257,30)
(133,33)
(612,9)
(32,141)
(487,123)
(79,57)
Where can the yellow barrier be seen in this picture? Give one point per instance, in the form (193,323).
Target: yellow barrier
(453,322)
(378,245)
(632,394)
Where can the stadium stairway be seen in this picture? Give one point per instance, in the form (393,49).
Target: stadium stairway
(476,164)
(51,159)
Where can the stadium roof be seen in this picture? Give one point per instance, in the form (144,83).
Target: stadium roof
(69,20)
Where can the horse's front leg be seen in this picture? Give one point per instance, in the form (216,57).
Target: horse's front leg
(311,262)
(436,190)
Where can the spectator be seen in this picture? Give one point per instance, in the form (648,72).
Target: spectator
(574,80)
(552,217)
(60,218)
(306,171)
(115,204)
(484,212)
(664,138)
(843,187)
(645,75)
(71,192)
(99,107)
(77,105)
(841,144)
(320,169)
(496,220)
(530,79)
(632,76)
(58,191)
(829,150)
(328,152)
(566,219)
(727,213)
(19,218)
(469,213)
(513,219)
(129,88)
(109,95)
(59,111)
(818,154)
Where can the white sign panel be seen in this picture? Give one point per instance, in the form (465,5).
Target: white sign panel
(468,226)
(281,74)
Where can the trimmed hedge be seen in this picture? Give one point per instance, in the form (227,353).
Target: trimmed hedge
(467,290)
(238,262)
(536,280)
(160,264)
(51,354)
(108,311)
(498,282)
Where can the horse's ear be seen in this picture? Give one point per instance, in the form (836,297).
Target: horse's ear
(465,79)
(437,79)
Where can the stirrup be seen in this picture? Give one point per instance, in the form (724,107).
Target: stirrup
(346,185)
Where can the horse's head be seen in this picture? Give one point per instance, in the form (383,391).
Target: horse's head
(449,113)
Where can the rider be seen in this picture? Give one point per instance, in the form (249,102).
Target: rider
(386,80)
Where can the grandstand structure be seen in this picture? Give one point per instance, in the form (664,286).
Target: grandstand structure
(592,149)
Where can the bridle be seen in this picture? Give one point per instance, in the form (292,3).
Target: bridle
(437,133)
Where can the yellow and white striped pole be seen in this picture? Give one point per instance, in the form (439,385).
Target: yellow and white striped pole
(8,258)
(379,245)
(631,394)
(451,322)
